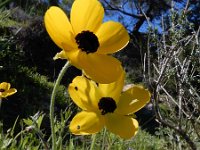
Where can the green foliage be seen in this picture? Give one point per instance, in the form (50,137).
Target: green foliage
(34,90)
(32,136)
(5,21)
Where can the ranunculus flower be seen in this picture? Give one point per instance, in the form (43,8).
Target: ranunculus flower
(5,90)
(106,105)
(86,40)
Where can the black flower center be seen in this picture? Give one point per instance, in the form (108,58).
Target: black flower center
(2,90)
(107,105)
(87,41)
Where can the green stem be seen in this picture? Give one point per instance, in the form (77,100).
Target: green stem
(53,95)
(93,141)
(0,103)
(4,3)
(103,139)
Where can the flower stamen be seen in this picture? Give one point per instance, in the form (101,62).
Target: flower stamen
(87,41)
(107,105)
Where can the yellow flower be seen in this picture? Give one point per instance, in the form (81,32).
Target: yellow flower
(5,90)
(106,105)
(85,40)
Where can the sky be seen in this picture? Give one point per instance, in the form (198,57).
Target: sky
(155,24)
(129,21)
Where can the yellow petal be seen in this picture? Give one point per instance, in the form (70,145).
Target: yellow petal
(112,37)
(133,100)
(59,28)
(72,56)
(8,93)
(123,126)
(60,55)
(113,89)
(5,86)
(99,67)
(85,123)
(84,93)
(86,15)
(102,68)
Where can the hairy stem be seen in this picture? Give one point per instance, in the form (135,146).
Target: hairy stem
(53,95)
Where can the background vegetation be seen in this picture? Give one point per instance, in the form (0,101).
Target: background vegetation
(163,54)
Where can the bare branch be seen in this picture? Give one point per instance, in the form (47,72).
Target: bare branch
(121,11)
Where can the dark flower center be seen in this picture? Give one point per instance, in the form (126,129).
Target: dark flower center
(2,90)
(107,105)
(87,42)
